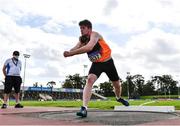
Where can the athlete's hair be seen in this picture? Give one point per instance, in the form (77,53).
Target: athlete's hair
(85,23)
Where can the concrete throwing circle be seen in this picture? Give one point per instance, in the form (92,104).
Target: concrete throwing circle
(108,117)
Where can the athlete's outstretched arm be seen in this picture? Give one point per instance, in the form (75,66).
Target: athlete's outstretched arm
(83,49)
(78,45)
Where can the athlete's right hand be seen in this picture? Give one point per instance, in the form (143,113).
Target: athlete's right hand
(66,53)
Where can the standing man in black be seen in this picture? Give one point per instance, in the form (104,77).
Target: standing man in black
(11,71)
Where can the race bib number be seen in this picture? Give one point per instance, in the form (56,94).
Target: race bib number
(94,56)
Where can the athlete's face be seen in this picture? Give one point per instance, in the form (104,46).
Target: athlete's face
(85,30)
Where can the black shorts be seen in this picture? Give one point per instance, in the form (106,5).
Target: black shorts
(108,67)
(12,82)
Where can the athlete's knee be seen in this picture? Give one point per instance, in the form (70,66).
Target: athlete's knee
(116,83)
(91,79)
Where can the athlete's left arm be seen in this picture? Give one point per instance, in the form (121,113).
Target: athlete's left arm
(88,47)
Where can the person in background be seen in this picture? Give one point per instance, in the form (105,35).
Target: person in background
(99,53)
(11,71)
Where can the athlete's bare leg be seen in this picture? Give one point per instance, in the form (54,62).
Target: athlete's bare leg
(117,88)
(117,91)
(88,88)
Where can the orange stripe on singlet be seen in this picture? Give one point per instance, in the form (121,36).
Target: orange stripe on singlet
(105,52)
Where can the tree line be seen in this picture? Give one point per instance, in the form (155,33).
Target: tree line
(134,86)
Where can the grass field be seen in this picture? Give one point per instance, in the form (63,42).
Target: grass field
(108,104)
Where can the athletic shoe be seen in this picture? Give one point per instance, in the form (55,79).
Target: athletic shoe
(18,106)
(4,106)
(124,102)
(82,112)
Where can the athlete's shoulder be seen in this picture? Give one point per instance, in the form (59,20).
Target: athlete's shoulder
(96,34)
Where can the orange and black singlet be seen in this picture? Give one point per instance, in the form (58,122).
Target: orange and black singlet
(100,52)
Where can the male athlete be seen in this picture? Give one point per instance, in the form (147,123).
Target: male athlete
(99,53)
